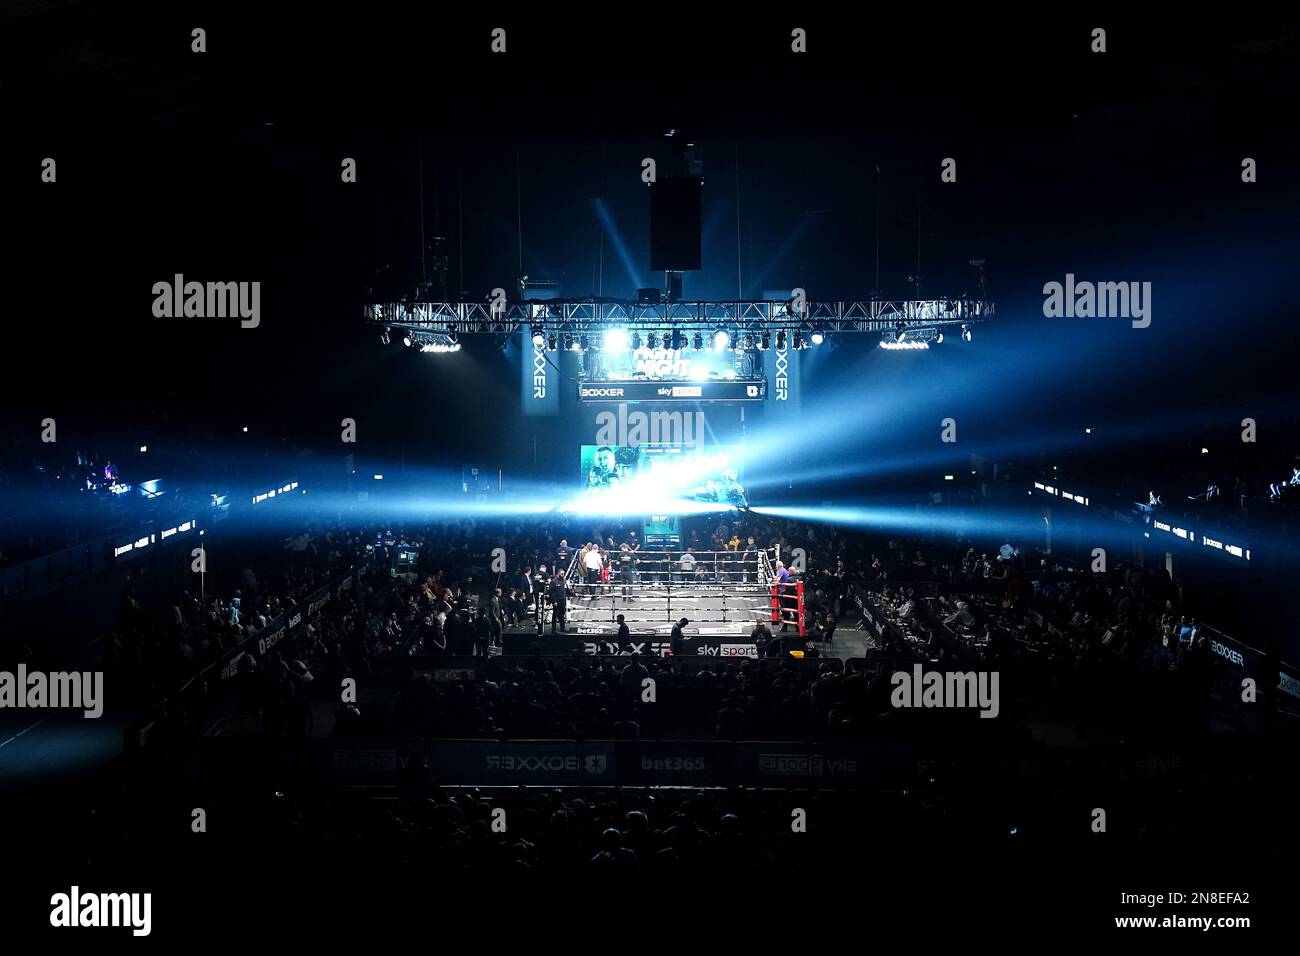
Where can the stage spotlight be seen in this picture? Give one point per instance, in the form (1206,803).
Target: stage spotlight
(900,330)
(721,340)
(568,341)
(636,341)
(938,339)
(383,337)
(452,334)
(780,340)
(749,340)
(678,340)
(539,339)
(408,340)
(765,341)
(798,339)
(699,341)
(553,342)
(651,342)
(965,333)
(817,337)
(615,340)
(582,343)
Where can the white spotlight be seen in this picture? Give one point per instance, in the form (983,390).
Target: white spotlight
(615,340)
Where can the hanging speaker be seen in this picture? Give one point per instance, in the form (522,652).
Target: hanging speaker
(676,223)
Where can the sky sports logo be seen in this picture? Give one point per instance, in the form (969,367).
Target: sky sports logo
(729,650)
(804,765)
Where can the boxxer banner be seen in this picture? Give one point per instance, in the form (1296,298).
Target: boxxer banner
(539,384)
(781,368)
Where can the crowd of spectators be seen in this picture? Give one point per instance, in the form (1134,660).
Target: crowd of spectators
(601,699)
(1120,641)
(430,590)
(1080,634)
(157,646)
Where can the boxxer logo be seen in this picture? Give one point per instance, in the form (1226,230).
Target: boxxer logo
(591,763)
(782,375)
(539,373)
(532,764)
(626,649)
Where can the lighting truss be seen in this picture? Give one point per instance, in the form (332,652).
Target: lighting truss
(427,341)
(902,338)
(594,318)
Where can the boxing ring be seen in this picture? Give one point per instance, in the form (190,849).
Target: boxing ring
(721,593)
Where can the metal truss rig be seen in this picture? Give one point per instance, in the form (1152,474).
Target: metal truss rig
(578,316)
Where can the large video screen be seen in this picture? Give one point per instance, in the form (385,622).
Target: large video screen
(712,474)
(658,363)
